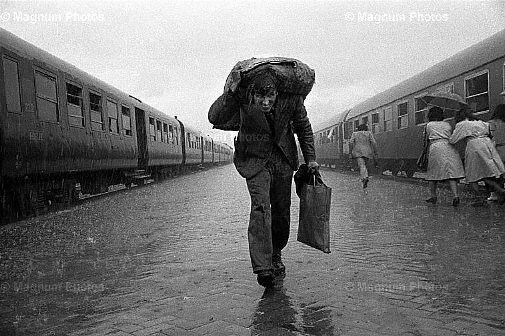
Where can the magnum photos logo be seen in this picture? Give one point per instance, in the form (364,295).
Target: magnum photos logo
(254,137)
(46,17)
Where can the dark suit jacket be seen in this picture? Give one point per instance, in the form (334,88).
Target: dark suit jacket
(255,141)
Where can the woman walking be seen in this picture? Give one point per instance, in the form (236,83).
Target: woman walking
(497,130)
(482,162)
(363,147)
(444,163)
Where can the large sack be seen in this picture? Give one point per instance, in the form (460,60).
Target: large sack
(294,77)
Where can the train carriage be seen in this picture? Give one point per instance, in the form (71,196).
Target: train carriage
(329,143)
(223,153)
(193,145)
(61,128)
(161,147)
(208,154)
(397,116)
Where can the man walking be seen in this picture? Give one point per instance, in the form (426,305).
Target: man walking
(266,156)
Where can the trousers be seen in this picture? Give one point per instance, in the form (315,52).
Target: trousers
(363,171)
(269,220)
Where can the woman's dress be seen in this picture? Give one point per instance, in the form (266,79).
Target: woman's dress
(481,158)
(444,161)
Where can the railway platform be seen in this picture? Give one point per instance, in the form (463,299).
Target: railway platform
(172,259)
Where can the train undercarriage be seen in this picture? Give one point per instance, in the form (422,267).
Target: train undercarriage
(31,196)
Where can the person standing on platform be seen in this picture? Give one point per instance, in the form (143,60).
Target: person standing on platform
(482,162)
(363,148)
(266,156)
(444,162)
(497,130)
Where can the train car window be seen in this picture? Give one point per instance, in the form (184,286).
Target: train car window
(375,123)
(47,98)
(176,134)
(158,131)
(127,120)
(364,120)
(388,119)
(188,140)
(164,137)
(74,105)
(403,115)
(356,124)
(113,113)
(11,80)
(171,133)
(477,92)
(95,108)
(420,110)
(331,135)
(152,130)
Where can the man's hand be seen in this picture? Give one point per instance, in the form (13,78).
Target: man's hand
(232,83)
(313,166)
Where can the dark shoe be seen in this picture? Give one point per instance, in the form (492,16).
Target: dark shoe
(279,268)
(455,201)
(432,200)
(265,278)
(365,182)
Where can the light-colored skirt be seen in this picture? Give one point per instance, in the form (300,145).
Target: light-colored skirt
(444,162)
(482,160)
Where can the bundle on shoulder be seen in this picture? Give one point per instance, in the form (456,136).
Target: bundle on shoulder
(293,77)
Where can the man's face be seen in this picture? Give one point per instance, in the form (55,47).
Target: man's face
(265,100)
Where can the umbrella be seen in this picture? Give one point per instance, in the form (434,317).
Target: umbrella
(445,100)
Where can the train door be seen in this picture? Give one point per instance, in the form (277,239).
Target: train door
(183,141)
(140,121)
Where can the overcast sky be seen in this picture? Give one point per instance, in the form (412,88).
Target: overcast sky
(175,55)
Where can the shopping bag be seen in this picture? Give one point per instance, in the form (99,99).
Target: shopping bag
(314,219)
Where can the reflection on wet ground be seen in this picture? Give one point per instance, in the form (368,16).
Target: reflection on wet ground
(177,252)
(277,313)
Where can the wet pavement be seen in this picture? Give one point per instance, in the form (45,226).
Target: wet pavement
(172,259)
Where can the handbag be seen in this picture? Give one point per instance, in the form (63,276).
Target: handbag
(422,161)
(314,219)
